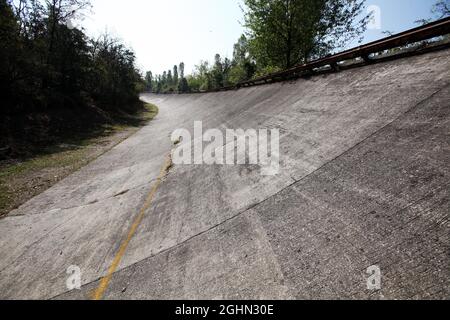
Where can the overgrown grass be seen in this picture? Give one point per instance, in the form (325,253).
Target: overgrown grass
(22,180)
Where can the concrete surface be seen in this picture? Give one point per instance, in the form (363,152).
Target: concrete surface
(364,180)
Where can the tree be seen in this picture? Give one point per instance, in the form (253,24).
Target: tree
(164,79)
(287,32)
(9,54)
(175,75)
(243,66)
(114,76)
(183,86)
(226,68)
(61,11)
(149,81)
(442,9)
(169,78)
(217,72)
(50,68)
(181,70)
(159,84)
(201,79)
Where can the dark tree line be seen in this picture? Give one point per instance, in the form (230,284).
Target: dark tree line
(46,63)
(49,67)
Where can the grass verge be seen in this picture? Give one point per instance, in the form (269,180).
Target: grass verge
(22,180)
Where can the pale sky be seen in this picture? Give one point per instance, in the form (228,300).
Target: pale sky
(166,32)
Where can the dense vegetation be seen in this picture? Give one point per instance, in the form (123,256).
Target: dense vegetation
(284,33)
(224,72)
(280,34)
(54,78)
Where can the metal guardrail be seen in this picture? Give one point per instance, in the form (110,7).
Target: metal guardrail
(426,32)
(432,30)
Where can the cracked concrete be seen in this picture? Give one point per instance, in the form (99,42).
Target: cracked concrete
(364,180)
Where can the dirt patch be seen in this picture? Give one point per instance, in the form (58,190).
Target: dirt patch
(22,180)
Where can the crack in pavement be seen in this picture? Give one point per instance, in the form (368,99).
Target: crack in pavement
(83,205)
(27,248)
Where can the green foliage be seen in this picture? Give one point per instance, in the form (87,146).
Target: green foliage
(266,70)
(224,72)
(280,34)
(114,79)
(170,81)
(243,66)
(47,64)
(287,32)
(181,68)
(175,75)
(149,81)
(169,78)
(194,83)
(183,86)
(55,80)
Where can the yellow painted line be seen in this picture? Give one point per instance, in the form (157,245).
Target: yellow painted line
(104,282)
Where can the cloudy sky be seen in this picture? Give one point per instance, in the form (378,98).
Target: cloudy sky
(166,32)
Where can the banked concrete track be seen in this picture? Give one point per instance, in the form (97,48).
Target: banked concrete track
(364,180)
